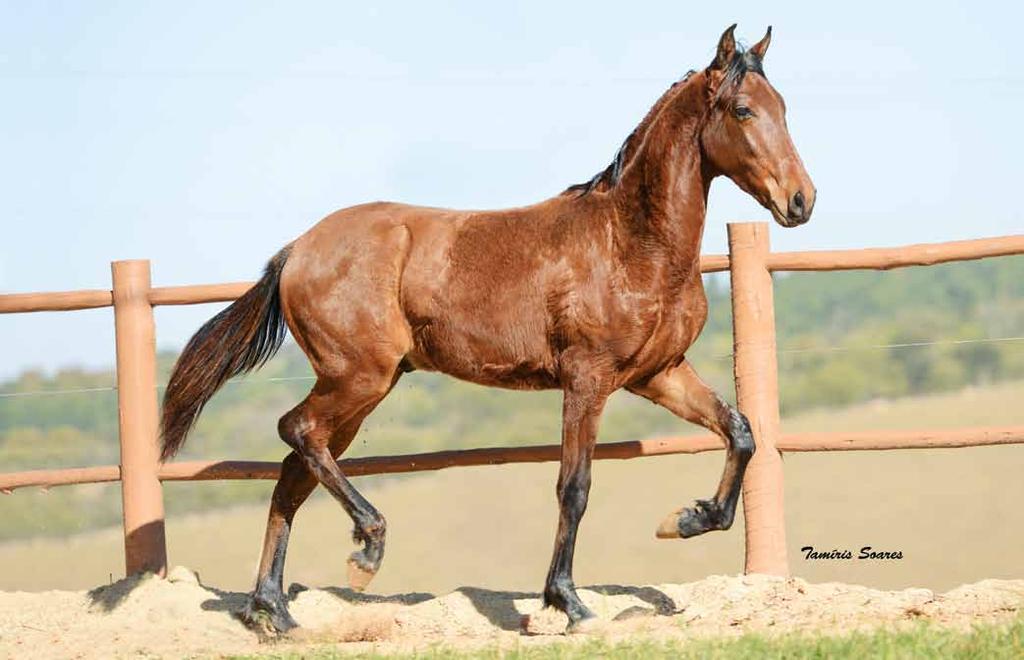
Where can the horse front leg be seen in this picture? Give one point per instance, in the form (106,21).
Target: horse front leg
(680,390)
(581,412)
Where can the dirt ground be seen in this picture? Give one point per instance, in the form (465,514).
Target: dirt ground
(181,616)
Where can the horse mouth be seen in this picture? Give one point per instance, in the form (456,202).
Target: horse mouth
(783,219)
(780,216)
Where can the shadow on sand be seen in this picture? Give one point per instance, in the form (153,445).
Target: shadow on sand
(500,609)
(148,541)
(362,598)
(234,602)
(109,596)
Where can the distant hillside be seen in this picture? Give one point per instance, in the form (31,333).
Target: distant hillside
(829,328)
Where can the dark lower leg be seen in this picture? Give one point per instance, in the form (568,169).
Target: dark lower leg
(681,391)
(738,453)
(580,415)
(268,599)
(300,429)
(559,588)
(718,512)
(370,526)
(292,489)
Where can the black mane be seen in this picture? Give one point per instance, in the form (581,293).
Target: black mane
(742,61)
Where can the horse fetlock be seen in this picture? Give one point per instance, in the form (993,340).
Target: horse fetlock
(705,516)
(557,593)
(372,533)
(561,595)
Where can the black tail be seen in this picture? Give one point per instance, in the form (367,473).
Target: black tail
(239,339)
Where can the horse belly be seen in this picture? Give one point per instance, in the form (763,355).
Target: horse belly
(485,351)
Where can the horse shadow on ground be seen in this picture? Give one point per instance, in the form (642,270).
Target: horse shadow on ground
(499,607)
(660,602)
(234,602)
(231,602)
(362,598)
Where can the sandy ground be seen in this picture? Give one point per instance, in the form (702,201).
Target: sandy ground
(182,617)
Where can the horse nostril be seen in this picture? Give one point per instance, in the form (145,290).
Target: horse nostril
(798,201)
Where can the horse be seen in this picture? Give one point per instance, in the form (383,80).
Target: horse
(594,290)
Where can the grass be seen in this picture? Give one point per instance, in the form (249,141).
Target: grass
(922,640)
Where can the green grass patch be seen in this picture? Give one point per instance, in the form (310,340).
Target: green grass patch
(923,640)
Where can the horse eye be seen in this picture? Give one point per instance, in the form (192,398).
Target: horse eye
(743,112)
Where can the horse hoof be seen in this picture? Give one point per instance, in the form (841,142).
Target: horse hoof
(358,577)
(587,626)
(669,527)
(267,620)
(705,516)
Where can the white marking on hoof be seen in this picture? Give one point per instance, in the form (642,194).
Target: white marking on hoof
(358,577)
(669,527)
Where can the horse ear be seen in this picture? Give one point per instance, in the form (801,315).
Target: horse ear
(726,49)
(761,47)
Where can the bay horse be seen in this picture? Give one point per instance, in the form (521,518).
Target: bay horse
(594,290)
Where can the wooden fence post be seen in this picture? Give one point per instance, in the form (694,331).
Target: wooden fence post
(141,494)
(755,368)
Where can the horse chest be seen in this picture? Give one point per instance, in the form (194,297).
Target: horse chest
(674,325)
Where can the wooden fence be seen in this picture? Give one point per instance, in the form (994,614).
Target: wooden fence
(750,263)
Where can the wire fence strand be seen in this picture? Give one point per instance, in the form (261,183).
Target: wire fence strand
(721,356)
(877,347)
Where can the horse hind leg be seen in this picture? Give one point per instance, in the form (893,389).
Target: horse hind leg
(267,607)
(319,429)
(682,392)
(293,488)
(307,430)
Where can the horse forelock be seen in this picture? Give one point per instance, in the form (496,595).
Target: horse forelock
(742,62)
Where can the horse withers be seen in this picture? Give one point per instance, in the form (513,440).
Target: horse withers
(591,291)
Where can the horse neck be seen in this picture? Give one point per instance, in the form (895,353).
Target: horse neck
(661,199)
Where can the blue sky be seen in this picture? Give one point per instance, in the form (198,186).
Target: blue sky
(204,136)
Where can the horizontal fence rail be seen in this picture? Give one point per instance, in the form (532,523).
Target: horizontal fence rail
(750,263)
(440,460)
(55,301)
(926,254)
